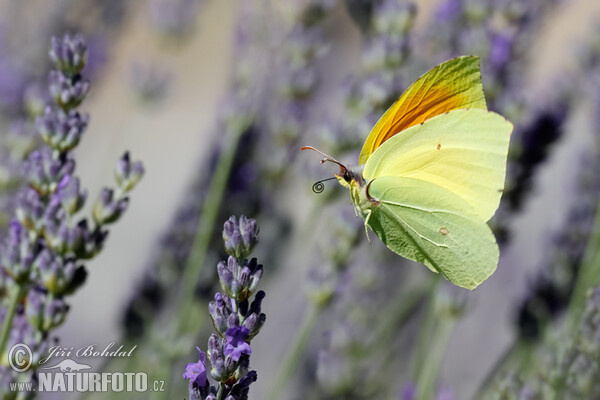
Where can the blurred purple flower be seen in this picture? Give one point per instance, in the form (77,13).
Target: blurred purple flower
(97,55)
(408,391)
(174,17)
(500,49)
(449,10)
(12,85)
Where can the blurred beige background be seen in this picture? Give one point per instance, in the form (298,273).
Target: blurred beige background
(172,139)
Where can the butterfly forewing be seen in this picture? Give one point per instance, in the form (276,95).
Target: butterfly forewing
(463,151)
(451,85)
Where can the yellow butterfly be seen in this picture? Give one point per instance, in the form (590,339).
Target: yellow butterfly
(431,174)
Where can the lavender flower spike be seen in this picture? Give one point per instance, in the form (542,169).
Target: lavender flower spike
(47,241)
(236,320)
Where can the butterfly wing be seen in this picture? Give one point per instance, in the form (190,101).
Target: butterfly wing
(431,225)
(463,151)
(451,85)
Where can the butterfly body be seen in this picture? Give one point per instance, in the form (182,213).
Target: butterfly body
(431,174)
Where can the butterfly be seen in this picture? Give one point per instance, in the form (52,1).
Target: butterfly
(431,173)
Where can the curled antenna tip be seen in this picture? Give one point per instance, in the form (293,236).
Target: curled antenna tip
(318,187)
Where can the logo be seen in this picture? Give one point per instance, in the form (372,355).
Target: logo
(20,357)
(69,366)
(69,375)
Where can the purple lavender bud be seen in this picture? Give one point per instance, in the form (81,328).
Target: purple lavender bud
(195,394)
(219,312)
(218,371)
(127,173)
(236,342)
(71,196)
(63,238)
(225,277)
(257,271)
(91,241)
(231,236)
(19,253)
(240,237)
(233,320)
(67,92)
(107,209)
(69,53)
(44,312)
(30,210)
(256,304)
(61,131)
(247,380)
(249,232)
(45,173)
(244,276)
(254,323)
(214,347)
(59,276)
(242,368)
(237,281)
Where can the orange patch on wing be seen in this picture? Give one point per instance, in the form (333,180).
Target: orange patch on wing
(449,86)
(429,103)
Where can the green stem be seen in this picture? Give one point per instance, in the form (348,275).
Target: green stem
(499,366)
(221,391)
(427,378)
(208,219)
(426,330)
(588,276)
(397,314)
(12,308)
(293,357)
(518,355)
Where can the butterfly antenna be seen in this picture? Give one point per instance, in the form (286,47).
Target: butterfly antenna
(318,187)
(327,157)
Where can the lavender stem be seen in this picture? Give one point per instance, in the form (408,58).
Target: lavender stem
(291,363)
(207,221)
(588,275)
(506,359)
(426,330)
(8,318)
(426,381)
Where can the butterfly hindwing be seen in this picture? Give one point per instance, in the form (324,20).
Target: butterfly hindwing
(449,86)
(429,224)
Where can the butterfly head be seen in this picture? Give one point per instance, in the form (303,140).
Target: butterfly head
(347,177)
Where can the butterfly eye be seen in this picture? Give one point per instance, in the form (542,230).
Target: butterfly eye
(347,176)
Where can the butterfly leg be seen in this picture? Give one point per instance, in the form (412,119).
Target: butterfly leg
(367,217)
